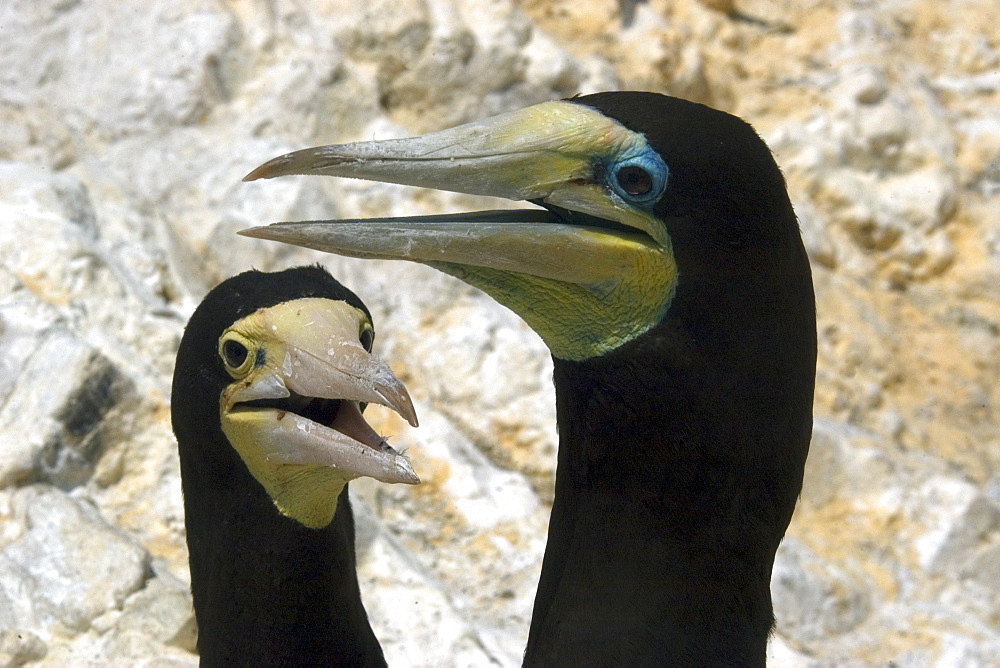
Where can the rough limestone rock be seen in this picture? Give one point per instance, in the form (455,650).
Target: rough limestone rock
(67,568)
(125,130)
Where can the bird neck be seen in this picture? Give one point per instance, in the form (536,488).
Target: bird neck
(296,601)
(678,470)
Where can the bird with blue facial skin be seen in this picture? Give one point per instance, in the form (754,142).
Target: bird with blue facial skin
(666,273)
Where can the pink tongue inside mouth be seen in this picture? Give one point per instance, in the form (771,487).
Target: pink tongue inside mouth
(350,422)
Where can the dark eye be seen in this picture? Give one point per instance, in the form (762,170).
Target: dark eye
(367,337)
(639,178)
(234,353)
(634,180)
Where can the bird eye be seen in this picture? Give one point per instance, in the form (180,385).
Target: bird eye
(235,353)
(634,180)
(639,179)
(367,337)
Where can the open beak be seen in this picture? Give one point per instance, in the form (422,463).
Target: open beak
(546,153)
(301,401)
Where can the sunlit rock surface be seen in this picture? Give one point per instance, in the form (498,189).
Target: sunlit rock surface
(125,130)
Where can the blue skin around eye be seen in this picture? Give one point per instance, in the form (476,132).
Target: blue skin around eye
(648,160)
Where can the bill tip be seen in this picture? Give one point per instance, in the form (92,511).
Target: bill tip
(255,232)
(270,169)
(409,478)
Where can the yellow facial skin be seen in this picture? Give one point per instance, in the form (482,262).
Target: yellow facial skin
(310,347)
(579,321)
(585,290)
(307,494)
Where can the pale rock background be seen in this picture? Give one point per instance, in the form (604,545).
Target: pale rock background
(125,129)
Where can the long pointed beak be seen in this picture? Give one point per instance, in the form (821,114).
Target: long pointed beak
(537,148)
(549,153)
(528,242)
(545,153)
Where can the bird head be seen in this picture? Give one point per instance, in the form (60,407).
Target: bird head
(623,177)
(281,365)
